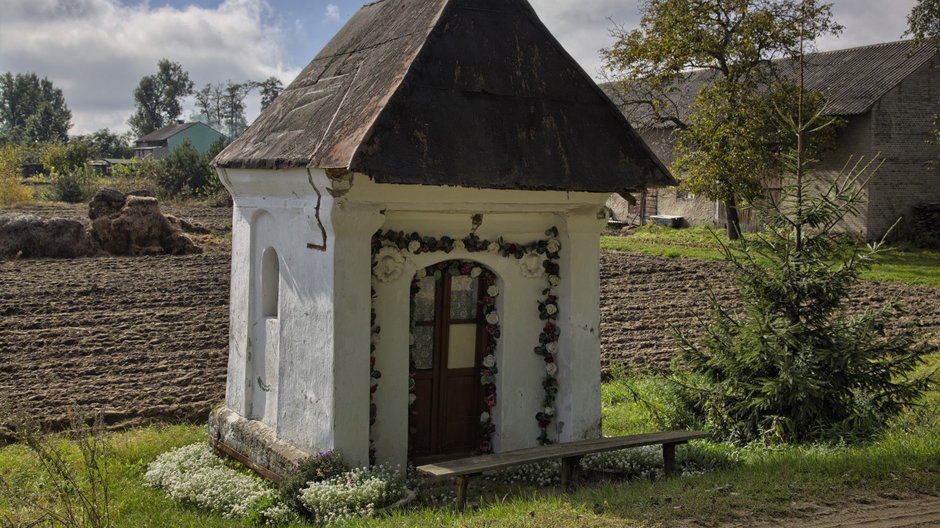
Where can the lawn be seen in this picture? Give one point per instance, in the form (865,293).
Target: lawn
(729,483)
(902,263)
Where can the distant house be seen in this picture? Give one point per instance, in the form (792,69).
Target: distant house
(159,143)
(889,94)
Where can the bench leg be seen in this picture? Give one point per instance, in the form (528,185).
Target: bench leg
(570,471)
(669,460)
(461,482)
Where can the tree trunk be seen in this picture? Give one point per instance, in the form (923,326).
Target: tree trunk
(734,223)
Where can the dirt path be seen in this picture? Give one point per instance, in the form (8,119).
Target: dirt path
(920,512)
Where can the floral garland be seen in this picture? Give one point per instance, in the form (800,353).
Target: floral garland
(536,259)
(488,369)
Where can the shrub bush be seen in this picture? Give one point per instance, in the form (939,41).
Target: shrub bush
(11,188)
(76,186)
(185,171)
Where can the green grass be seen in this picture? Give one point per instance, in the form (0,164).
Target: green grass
(764,481)
(902,263)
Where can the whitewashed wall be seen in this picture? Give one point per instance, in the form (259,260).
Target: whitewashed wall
(312,385)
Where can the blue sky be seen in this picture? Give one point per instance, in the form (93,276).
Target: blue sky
(97,50)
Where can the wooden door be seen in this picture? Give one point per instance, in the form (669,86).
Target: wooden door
(446,356)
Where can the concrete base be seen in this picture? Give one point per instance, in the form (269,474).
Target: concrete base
(253,441)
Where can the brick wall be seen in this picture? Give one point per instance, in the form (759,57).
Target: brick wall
(901,124)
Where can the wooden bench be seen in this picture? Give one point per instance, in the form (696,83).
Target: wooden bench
(570,454)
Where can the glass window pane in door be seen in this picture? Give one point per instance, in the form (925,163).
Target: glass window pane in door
(422,352)
(424,300)
(463,297)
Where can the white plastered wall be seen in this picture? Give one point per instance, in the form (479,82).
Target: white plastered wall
(322,380)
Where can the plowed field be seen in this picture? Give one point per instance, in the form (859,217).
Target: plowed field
(145,338)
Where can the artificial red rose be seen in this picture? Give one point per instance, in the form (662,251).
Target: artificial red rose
(491,400)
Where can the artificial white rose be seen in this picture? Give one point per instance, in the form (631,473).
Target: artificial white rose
(388,264)
(414,246)
(375,338)
(551,369)
(458,244)
(492,290)
(421,273)
(553,245)
(411,398)
(492,318)
(485,417)
(551,309)
(493,247)
(489,361)
(550,411)
(475,272)
(552,347)
(554,280)
(531,264)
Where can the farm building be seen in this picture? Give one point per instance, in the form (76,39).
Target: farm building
(437,174)
(159,143)
(889,95)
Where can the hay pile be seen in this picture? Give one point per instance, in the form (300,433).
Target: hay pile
(33,237)
(133,225)
(121,224)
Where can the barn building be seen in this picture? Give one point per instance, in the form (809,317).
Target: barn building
(887,94)
(437,174)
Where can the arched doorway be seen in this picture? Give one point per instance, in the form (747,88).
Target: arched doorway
(449,331)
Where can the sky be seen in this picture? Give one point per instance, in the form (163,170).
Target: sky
(96,51)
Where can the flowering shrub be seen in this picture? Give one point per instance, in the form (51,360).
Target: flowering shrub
(196,475)
(357,493)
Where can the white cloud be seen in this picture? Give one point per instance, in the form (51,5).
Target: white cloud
(331,14)
(96,51)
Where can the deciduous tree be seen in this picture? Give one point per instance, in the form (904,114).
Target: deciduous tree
(159,97)
(32,110)
(269,89)
(736,42)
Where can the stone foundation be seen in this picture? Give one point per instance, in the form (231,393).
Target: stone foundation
(254,442)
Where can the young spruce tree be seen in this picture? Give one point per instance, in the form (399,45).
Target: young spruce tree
(794,366)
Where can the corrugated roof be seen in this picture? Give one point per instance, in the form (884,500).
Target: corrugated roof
(473,93)
(852,79)
(166,132)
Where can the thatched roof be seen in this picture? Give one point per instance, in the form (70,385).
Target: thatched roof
(472,93)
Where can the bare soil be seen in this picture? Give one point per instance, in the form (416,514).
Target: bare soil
(646,300)
(145,338)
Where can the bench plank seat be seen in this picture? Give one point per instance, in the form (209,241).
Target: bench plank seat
(481,463)
(570,454)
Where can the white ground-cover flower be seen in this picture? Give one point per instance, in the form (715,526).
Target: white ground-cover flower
(633,462)
(388,264)
(357,493)
(196,475)
(531,264)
